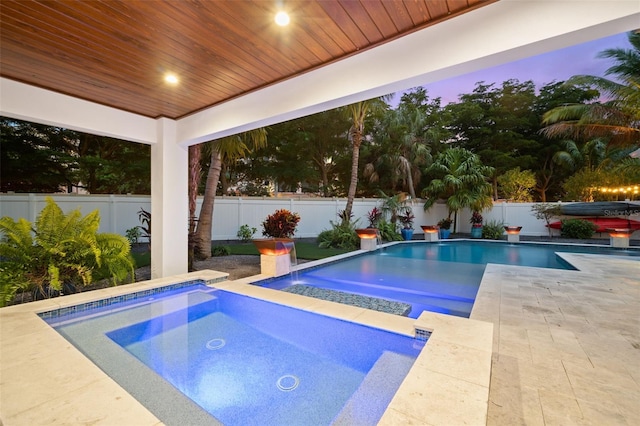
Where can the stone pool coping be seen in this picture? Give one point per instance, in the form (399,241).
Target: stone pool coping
(45,380)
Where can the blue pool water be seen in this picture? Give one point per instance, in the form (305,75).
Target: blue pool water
(244,361)
(439,277)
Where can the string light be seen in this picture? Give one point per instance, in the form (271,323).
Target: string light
(629,192)
(635,189)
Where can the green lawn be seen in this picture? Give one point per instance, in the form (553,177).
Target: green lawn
(142,259)
(309,251)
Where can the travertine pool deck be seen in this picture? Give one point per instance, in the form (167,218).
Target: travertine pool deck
(566,346)
(542,347)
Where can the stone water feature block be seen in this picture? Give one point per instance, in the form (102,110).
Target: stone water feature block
(430,232)
(275,265)
(619,237)
(368,244)
(513,233)
(431,236)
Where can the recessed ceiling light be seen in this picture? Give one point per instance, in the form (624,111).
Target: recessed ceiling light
(171,78)
(282,18)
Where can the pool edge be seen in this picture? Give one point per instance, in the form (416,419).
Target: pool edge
(81,391)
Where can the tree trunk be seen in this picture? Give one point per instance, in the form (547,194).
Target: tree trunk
(194,181)
(205,220)
(412,190)
(224,181)
(354,177)
(325,180)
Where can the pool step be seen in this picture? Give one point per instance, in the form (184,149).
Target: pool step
(367,404)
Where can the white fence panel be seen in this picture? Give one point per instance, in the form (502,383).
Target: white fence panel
(117,212)
(120,212)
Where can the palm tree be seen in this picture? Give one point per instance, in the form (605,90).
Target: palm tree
(358,112)
(618,119)
(590,155)
(403,132)
(461,180)
(226,149)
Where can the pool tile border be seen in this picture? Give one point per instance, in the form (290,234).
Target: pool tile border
(101,303)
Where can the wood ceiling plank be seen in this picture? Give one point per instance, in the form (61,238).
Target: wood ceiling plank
(457,5)
(361,18)
(114,52)
(323,28)
(418,11)
(399,14)
(380,16)
(437,8)
(345,23)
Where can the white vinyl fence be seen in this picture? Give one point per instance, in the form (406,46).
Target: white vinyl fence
(120,212)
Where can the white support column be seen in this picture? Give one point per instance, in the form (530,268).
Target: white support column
(169,204)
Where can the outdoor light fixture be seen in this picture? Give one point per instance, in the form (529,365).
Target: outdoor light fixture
(367,233)
(513,233)
(627,190)
(275,256)
(619,237)
(274,246)
(368,238)
(513,230)
(430,232)
(171,78)
(430,229)
(282,18)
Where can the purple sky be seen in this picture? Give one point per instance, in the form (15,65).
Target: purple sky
(542,69)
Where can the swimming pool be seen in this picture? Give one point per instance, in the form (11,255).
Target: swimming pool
(197,354)
(439,277)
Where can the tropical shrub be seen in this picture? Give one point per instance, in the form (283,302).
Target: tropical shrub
(245,233)
(281,224)
(577,228)
(395,205)
(60,252)
(374,217)
(476,218)
(493,230)
(445,223)
(389,231)
(407,218)
(342,235)
(344,216)
(133,234)
(145,218)
(220,251)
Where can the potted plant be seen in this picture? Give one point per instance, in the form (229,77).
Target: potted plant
(374,217)
(445,228)
(279,227)
(476,225)
(406,219)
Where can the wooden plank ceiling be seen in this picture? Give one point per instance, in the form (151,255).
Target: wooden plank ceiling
(116,53)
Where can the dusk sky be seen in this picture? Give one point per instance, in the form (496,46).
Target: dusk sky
(542,69)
